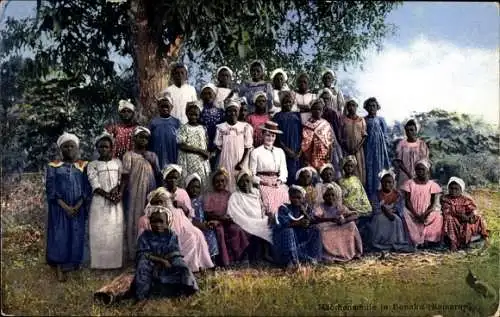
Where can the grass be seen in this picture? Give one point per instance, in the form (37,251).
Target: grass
(404,285)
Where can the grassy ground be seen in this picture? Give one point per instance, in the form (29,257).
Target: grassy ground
(402,285)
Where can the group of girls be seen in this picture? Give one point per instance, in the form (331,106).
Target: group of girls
(256,172)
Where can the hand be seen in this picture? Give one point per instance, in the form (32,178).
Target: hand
(340,220)
(213,223)
(166,264)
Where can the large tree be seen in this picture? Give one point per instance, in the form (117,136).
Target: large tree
(81,35)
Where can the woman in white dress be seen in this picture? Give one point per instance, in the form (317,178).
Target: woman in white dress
(224,85)
(106,223)
(303,97)
(268,165)
(278,79)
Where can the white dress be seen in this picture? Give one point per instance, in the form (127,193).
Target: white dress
(106,223)
(303,100)
(221,95)
(181,96)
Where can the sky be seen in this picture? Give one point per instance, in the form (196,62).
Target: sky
(443,55)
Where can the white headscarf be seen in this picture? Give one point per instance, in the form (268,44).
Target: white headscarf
(327,90)
(424,162)
(325,166)
(260,62)
(65,137)
(232,103)
(192,177)
(211,86)
(257,95)
(150,209)
(457,180)
(125,104)
(140,129)
(299,189)
(326,71)
(226,68)
(384,172)
(104,135)
(243,172)
(169,168)
(417,124)
(308,169)
(279,71)
(165,96)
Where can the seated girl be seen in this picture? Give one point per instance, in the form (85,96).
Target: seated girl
(294,239)
(160,268)
(304,178)
(462,223)
(339,234)
(422,216)
(327,174)
(233,241)
(193,188)
(387,225)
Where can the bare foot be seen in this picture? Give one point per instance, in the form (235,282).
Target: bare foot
(61,277)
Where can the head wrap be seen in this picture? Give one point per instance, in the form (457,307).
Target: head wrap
(405,123)
(298,188)
(326,71)
(191,178)
(226,68)
(349,158)
(104,135)
(457,180)
(194,104)
(125,104)
(169,168)
(279,71)
(151,209)
(221,170)
(257,95)
(337,191)
(325,166)
(260,62)
(65,137)
(315,101)
(283,93)
(159,194)
(424,162)
(384,172)
(211,86)
(165,96)
(140,129)
(243,172)
(232,103)
(305,169)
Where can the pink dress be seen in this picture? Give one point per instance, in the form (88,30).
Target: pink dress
(232,140)
(256,120)
(410,154)
(192,242)
(420,196)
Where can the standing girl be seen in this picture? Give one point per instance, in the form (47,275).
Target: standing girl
(258,84)
(68,192)
(181,92)
(329,79)
(234,141)
(279,79)
(376,155)
(211,115)
(258,118)
(106,222)
(223,90)
(193,143)
(331,115)
(123,131)
(303,97)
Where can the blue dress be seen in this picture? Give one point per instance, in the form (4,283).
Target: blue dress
(151,278)
(249,89)
(210,236)
(210,117)
(163,140)
(291,125)
(65,234)
(293,245)
(376,155)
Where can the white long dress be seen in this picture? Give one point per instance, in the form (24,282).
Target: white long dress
(106,223)
(303,100)
(181,96)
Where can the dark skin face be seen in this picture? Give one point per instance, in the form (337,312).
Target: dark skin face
(286,104)
(454,190)
(232,115)
(224,78)
(69,151)
(158,221)
(387,183)
(372,108)
(260,104)
(351,108)
(105,149)
(126,115)
(328,80)
(256,72)
(329,197)
(349,168)
(296,198)
(316,111)
(303,84)
(421,172)
(327,175)
(245,184)
(179,76)
(193,114)
(194,188)
(278,81)
(305,179)
(171,181)
(164,108)
(141,140)
(243,113)
(207,95)
(219,182)
(411,131)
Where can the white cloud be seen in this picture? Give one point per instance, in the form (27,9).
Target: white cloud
(431,74)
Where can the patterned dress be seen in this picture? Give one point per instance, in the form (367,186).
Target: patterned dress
(106,221)
(333,117)
(410,154)
(317,139)
(210,236)
(210,117)
(376,155)
(460,234)
(232,239)
(153,279)
(163,141)
(293,245)
(420,197)
(256,120)
(195,136)
(291,125)
(352,132)
(66,234)
(340,243)
(355,196)
(123,136)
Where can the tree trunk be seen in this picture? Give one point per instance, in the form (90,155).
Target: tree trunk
(150,68)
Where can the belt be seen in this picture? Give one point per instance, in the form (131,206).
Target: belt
(267,174)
